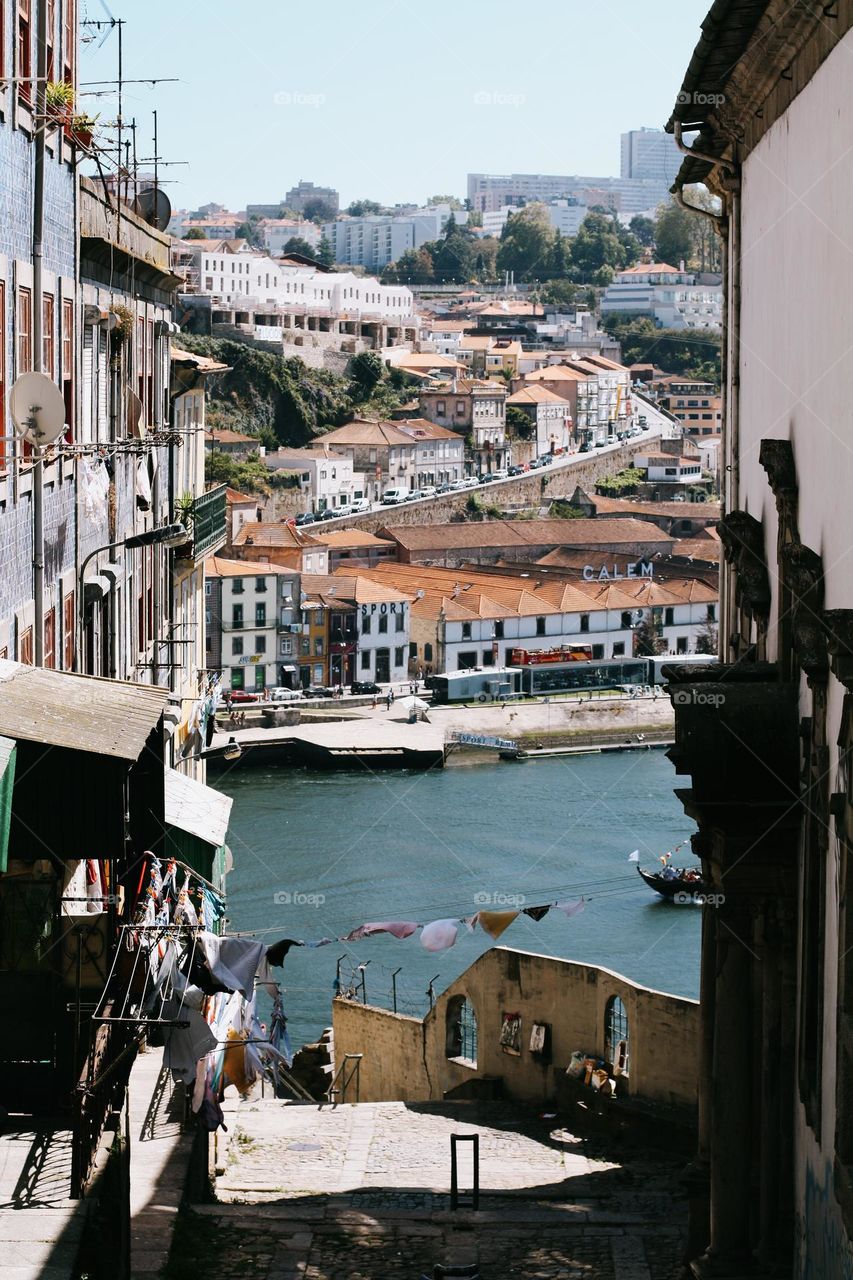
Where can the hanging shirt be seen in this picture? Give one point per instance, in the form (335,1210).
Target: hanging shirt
(496,922)
(232,961)
(439,935)
(397,928)
(536,913)
(570,909)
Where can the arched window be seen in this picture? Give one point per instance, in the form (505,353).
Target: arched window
(616,1042)
(461,1031)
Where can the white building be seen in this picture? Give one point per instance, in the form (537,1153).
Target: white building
(375,240)
(551,416)
(667,469)
(670,295)
(275,233)
(326,477)
(650,153)
(245,605)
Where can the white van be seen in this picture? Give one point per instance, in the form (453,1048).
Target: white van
(282,694)
(395,495)
(358,505)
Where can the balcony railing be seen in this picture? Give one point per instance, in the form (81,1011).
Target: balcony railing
(209,526)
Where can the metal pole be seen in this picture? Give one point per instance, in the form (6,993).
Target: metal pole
(362,968)
(430,991)
(38,325)
(394,986)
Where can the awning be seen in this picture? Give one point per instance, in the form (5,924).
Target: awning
(196,809)
(96,587)
(288,666)
(7,782)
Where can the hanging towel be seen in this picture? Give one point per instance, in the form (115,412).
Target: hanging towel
(278,950)
(232,961)
(496,922)
(571,908)
(536,913)
(398,928)
(439,935)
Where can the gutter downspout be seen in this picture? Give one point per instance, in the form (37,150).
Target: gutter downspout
(38,326)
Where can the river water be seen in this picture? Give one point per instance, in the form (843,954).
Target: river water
(317,854)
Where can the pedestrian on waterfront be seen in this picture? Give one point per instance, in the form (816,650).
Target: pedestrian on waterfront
(389,698)
(374,702)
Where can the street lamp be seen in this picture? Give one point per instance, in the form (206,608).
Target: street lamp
(169,535)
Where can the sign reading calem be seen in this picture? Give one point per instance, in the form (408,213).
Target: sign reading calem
(612,573)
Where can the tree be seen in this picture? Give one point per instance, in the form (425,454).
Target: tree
(526,242)
(453,201)
(319,210)
(415,266)
(250,232)
(643,229)
(707,639)
(648,641)
(297,245)
(597,244)
(454,258)
(325,254)
(363,208)
(559,293)
(674,234)
(560,262)
(366,370)
(195,233)
(518,423)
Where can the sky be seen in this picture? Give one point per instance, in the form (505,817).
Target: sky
(390,100)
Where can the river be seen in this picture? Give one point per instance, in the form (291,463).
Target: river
(317,854)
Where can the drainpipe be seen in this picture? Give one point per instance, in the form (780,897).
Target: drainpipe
(40,97)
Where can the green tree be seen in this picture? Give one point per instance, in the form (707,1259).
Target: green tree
(366,370)
(560,263)
(674,233)
(643,229)
(518,423)
(319,210)
(455,254)
(648,642)
(597,244)
(195,233)
(559,293)
(415,266)
(324,253)
(526,243)
(363,208)
(250,232)
(297,245)
(453,201)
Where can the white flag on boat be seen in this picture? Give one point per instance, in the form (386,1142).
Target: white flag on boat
(635,856)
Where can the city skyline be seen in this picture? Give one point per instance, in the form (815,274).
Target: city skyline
(441,97)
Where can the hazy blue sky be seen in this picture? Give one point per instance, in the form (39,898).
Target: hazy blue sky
(390,99)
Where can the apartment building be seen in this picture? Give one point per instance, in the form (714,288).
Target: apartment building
(672,297)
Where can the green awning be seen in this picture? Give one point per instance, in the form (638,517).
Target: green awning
(7,782)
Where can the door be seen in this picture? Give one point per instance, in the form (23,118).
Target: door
(383,666)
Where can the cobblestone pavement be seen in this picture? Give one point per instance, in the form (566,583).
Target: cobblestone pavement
(362,1193)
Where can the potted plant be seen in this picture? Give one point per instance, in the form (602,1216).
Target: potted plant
(59,101)
(82,127)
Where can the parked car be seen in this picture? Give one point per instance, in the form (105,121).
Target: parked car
(391,496)
(601,444)
(414,495)
(306,517)
(358,505)
(344,510)
(283,694)
(501,474)
(585,447)
(318,691)
(518,470)
(429,491)
(244,695)
(485,477)
(445,488)
(364,686)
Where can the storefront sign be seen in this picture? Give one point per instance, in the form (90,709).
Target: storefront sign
(613,573)
(485,740)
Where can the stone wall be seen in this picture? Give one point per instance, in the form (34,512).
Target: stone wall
(405,1058)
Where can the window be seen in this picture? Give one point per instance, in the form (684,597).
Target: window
(2,363)
(237,677)
(318,646)
(711,614)
(237,615)
(399,656)
(69,38)
(427,653)
(681,644)
(466,630)
(383,624)
(67,365)
(540,626)
(400,622)
(365,659)
(237,586)
(25,332)
(461,1030)
(237,646)
(47,347)
(467,661)
(627,620)
(50,638)
(616,1035)
(260,584)
(68,622)
(260,644)
(260,677)
(669,617)
(261,614)
(318,674)
(285,647)
(25,647)
(499,629)
(488,658)
(598,650)
(365,624)
(584,623)
(24,50)
(441,406)
(619,649)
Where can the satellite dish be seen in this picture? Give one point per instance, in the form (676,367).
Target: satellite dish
(154,207)
(37,408)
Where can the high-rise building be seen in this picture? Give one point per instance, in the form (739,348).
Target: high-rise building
(304,192)
(650,153)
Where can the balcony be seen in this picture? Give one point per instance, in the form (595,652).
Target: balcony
(206,519)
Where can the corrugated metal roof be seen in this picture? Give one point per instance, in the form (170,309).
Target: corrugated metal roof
(199,810)
(82,713)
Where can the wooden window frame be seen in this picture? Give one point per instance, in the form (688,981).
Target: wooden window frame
(67,362)
(48,341)
(24,49)
(69,622)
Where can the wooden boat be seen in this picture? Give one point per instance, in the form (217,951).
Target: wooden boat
(670,886)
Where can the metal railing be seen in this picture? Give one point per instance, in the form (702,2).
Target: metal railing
(348,1071)
(209,522)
